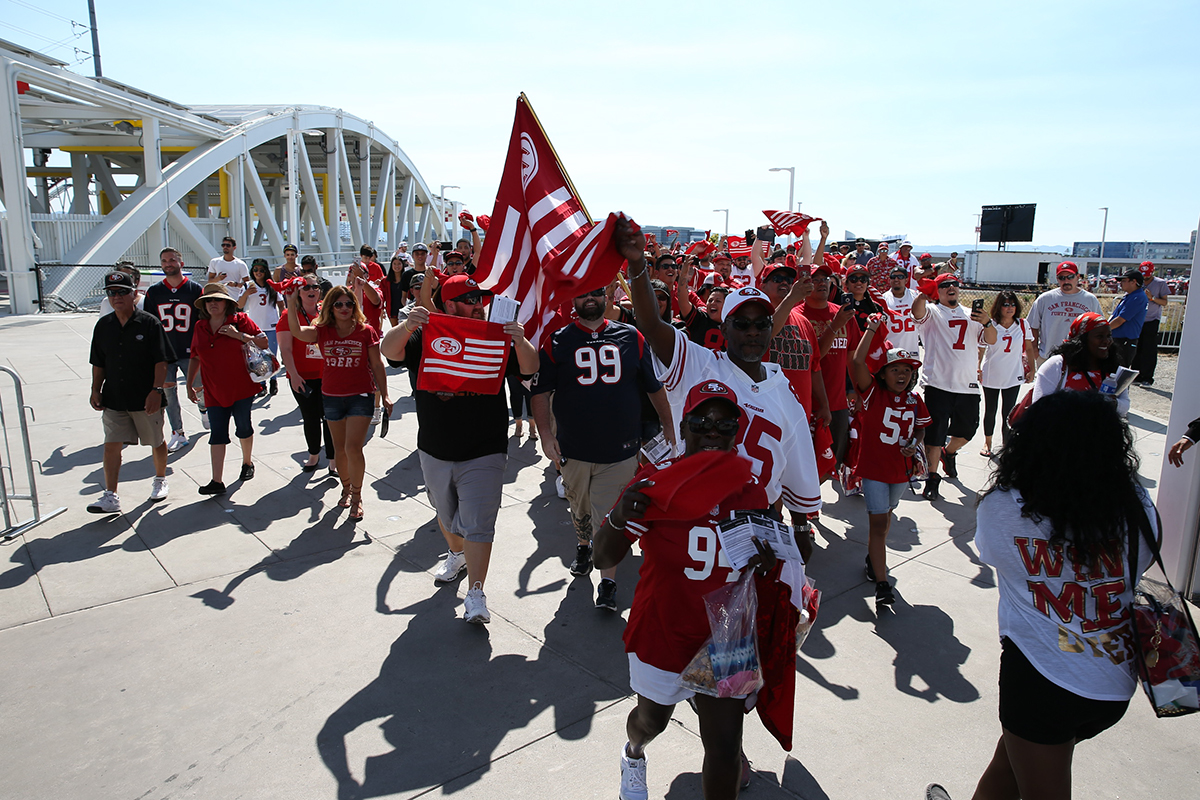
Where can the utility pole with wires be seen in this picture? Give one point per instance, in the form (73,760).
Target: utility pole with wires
(95,38)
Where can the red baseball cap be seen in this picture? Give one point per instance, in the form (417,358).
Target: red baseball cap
(710,390)
(924,256)
(460,287)
(722,256)
(747,294)
(1146,268)
(1067,266)
(1085,322)
(773,268)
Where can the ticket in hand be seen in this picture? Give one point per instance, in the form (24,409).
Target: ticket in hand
(504,310)
(658,449)
(735,536)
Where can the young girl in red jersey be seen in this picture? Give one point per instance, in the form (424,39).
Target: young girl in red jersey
(891,422)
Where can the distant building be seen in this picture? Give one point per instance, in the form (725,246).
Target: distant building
(1153,251)
(686,235)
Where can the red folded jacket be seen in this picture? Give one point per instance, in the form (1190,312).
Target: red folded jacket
(692,486)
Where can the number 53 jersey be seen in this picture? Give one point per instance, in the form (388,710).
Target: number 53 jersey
(598,378)
(887,421)
(774,432)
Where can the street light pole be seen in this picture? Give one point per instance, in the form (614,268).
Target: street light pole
(791,171)
(1103,235)
(442,197)
(726,210)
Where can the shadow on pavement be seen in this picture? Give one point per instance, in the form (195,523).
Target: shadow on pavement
(926,648)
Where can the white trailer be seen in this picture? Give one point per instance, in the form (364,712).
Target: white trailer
(1009,266)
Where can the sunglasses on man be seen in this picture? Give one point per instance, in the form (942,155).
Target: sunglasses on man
(702,425)
(743,324)
(117,292)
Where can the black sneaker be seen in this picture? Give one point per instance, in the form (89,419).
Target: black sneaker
(582,564)
(931,488)
(606,595)
(213,487)
(247,472)
(884,595)
(870,571)
(950,464)
(274,387)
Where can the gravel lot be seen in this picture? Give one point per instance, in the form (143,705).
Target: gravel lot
(1156,400)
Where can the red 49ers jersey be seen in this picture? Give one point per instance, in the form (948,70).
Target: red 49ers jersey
(681,562)
(885,421)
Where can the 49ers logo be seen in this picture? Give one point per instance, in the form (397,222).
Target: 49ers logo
(446,346)
(712,387)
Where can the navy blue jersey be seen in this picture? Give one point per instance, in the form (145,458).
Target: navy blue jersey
(598,379)
(176,310)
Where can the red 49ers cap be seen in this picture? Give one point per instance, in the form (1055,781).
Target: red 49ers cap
(1067,266)
(1146,268)
(462,287)
(710,390)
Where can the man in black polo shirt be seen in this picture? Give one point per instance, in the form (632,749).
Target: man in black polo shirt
(129,358)
(599,371)
(462,440)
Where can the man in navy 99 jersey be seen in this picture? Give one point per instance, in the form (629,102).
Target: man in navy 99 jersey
(173,301)
(598,371)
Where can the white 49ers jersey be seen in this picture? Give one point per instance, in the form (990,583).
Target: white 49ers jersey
(902,332)
(773,434)
(952,341)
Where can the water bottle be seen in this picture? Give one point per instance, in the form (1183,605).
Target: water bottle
(1109,385)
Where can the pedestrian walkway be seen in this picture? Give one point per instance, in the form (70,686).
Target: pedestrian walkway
(261,645)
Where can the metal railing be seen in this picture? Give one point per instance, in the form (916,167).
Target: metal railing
(14,526)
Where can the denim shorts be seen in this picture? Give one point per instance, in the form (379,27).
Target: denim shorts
(355,405)
(882,497)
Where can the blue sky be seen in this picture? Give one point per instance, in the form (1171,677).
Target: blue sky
(899,117)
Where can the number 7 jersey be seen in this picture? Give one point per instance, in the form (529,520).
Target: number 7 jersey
(774,432)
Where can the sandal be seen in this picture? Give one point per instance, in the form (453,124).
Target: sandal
(356,504)
(344,502)
(986,453)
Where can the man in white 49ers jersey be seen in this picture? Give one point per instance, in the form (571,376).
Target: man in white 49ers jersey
(902,331)
(772,435)
(951,335)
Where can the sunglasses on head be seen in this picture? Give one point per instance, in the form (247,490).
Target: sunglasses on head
(344,304)
(702,425)
(743,324)
(856,279)
(117,292)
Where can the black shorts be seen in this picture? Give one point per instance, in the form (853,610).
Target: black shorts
(1043,712)
(951,414)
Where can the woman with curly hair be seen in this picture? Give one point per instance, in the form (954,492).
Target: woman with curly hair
(1005,365)
(1062,568)
(1082,362)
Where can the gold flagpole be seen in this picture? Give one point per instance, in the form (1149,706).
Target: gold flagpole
(557,160)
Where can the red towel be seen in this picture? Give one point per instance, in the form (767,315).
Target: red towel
(692,486)
(777,620)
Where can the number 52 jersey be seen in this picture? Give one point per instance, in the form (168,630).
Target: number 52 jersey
(774,432)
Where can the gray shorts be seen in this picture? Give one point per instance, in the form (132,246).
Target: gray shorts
(466,494)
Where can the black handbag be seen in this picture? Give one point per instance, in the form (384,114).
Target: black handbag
(1165,644)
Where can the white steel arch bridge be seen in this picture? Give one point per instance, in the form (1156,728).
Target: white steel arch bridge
(145,173)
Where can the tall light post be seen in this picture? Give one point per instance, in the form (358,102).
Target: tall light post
(442,195)
(791,171)
(1103,236)
(726,210)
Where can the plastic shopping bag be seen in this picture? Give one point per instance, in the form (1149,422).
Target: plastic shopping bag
(261,364)
(810,596)
(727,665)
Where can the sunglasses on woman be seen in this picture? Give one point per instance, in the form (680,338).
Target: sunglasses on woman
(344,304)
(857,279)
(702,425)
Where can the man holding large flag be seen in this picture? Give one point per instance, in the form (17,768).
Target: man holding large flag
(462,434)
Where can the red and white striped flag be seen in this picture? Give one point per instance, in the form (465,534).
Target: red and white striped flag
(543,250)
(739,249)
(462,354)
(792,222)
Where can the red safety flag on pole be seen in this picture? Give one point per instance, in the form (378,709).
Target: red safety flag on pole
(542,248)
(462,354)
(792,222)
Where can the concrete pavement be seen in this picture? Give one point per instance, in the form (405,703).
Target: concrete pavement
(259,645)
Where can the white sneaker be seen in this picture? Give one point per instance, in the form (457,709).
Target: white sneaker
(475,606)
(178,441)
(454,564)
(377,417)
(633,777)
(108,503)
(560,488)
(158,491)
(204,419)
